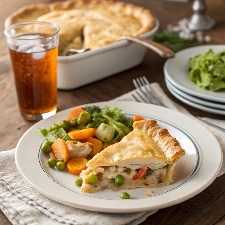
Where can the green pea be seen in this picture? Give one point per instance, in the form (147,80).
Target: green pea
(54,126)
(46,149)
(92,178)
(52,162)
(65,124)
(124,195)
(90,125)
(83,118)
(43,131)
(119,180)
(47,142)
(73,122)
(78,182)
(60,165)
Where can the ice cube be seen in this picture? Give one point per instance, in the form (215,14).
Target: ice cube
(24,48)
(38,52)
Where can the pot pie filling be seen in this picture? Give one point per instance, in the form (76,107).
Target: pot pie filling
(146,157)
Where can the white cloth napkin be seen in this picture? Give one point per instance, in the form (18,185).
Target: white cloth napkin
(25,206)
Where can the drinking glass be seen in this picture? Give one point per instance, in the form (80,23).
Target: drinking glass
(33,49)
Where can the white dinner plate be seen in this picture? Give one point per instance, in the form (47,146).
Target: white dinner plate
(194,172)
(194,104)
(195,100)
(176,71)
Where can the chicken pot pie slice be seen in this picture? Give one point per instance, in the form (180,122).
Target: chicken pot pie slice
(146,157)
(88,23)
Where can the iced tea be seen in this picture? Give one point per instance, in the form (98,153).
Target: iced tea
(35,80)
(34,63)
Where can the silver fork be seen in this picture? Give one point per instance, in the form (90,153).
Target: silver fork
(146,93)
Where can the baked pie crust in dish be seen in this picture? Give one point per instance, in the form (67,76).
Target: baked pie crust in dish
(146,157)
(88,23)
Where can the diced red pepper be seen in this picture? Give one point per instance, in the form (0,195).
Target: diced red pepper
(141,173)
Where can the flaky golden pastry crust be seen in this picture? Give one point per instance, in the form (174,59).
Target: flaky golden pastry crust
(148,145)
(147,142)
(161,136)
(96,22)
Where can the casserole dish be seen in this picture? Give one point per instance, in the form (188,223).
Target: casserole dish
(78,70)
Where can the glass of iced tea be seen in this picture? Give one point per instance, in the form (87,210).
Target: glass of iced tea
(33,48)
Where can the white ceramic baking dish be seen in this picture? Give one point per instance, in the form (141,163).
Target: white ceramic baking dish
(81,69)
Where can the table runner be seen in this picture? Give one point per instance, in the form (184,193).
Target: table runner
(25,206)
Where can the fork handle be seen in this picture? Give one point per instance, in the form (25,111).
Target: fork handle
(160,49)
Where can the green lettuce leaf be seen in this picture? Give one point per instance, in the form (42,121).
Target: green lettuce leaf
(208,70)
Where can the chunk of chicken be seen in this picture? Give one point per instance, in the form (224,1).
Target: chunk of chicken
(79,149)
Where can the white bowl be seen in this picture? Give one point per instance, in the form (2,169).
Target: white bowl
(81,69)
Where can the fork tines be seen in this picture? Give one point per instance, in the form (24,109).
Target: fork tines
(145,92)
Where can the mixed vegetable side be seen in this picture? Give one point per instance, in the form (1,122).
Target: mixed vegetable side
(86,132)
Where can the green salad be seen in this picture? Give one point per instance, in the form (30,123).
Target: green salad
(208,70)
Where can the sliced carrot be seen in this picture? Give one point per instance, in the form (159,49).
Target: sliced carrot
(137,118)
(76,165)
(75,113)
(60,150)
(106,144)
(97,145)
(82,134)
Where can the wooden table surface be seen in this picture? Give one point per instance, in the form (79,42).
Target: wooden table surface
(206,208)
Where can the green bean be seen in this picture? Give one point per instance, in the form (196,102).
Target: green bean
(43,131)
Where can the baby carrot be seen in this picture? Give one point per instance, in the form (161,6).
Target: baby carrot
(60,150)
(75,113)
(76,165)
(82,134)
(97,145)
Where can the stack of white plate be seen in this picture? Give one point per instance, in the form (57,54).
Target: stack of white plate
(178,82)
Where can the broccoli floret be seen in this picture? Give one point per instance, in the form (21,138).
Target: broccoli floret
(97,119)
(92,109)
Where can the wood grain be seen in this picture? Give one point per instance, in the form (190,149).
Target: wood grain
(206,208)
